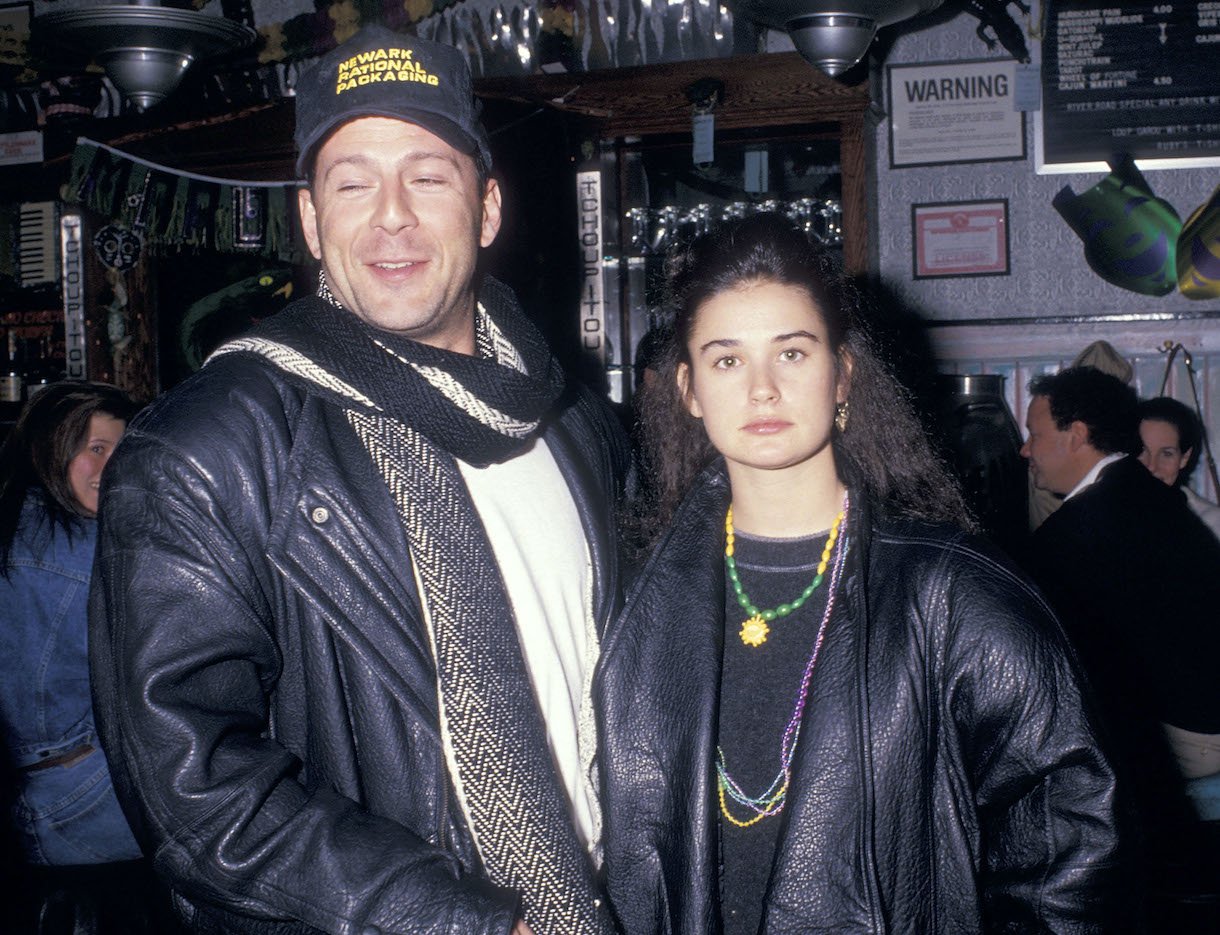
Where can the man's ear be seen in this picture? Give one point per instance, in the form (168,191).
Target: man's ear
(309,221)
(1078,435)
(491,213)
(683,375)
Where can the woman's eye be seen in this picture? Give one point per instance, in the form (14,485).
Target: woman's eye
(792,353)
(725,363)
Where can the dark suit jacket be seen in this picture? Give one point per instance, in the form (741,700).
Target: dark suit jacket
(1134,576)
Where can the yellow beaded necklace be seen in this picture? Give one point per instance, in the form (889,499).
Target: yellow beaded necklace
(754,628)
(772,801)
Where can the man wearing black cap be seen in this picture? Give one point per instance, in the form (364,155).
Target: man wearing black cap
(352,573)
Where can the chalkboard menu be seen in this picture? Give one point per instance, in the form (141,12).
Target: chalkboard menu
(1140,78)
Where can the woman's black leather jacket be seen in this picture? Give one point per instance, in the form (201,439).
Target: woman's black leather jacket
(947,776)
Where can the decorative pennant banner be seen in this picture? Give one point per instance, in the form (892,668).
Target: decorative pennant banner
(168,209)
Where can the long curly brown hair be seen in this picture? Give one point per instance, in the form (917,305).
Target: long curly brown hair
(884,452)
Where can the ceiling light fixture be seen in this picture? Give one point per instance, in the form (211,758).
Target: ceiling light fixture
(144,47)
(833,36)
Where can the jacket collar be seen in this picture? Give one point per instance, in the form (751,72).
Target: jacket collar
(573,444)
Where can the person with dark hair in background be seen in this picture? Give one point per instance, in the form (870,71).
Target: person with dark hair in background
(65,813)
(1133,575)
(353,573)
(1172,436)
(826,706)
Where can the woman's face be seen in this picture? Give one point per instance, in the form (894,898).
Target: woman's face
(85,468)
(763,379)
(1162,454)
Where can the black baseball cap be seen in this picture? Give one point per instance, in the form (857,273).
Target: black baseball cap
(381,73)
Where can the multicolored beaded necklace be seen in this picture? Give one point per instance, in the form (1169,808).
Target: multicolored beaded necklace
(772,801)
(754,628)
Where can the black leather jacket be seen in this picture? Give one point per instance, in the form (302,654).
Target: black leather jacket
(265,685)
(946,779)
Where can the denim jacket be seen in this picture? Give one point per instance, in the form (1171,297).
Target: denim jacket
(64,814)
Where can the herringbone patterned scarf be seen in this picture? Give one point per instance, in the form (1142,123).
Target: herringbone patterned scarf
(501,765)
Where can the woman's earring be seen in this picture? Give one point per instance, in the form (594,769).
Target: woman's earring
(841,416)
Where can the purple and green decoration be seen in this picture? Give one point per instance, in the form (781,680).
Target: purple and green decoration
(1199,252)
(1130,236)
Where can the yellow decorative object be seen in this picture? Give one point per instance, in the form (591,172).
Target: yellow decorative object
(775,800)
(417,9)
(273,49)
(754,631)
(347,19)
(1198,254)
(557,19)
(754,628)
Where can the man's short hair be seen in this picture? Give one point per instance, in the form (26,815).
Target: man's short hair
(1105,404)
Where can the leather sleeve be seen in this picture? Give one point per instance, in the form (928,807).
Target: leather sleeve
(184,661)
(1045,792)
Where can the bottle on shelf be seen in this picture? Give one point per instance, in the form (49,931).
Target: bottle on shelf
(12,381)
(40,369)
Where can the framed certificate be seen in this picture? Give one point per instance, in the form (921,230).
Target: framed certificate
(960,238)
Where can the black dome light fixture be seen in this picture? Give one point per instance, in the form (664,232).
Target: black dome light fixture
(833,35)
(144,47)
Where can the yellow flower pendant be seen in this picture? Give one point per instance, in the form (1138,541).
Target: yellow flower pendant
(754,631)
(754,628)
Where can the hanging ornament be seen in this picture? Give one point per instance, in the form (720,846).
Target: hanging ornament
(249,217)
(117,248)
(1130,236)
(1199,251)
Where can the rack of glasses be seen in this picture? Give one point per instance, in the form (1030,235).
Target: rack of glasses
(657,231)
(658,200)
(516,37)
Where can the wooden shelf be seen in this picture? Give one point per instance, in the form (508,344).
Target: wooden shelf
(780,89)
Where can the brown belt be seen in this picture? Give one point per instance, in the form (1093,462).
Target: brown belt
(68,758)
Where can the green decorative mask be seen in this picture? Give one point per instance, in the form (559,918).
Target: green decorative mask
(1130,236)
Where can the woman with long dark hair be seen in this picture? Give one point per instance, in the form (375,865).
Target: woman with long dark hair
(827,706)
(65,813)
(1172,435)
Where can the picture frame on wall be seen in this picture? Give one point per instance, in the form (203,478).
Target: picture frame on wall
(960,238)
(15,35)
(954,112)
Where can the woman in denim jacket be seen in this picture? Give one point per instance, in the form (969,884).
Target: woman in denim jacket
(65,811)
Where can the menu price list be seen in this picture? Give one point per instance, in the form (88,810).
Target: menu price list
(1143,79)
